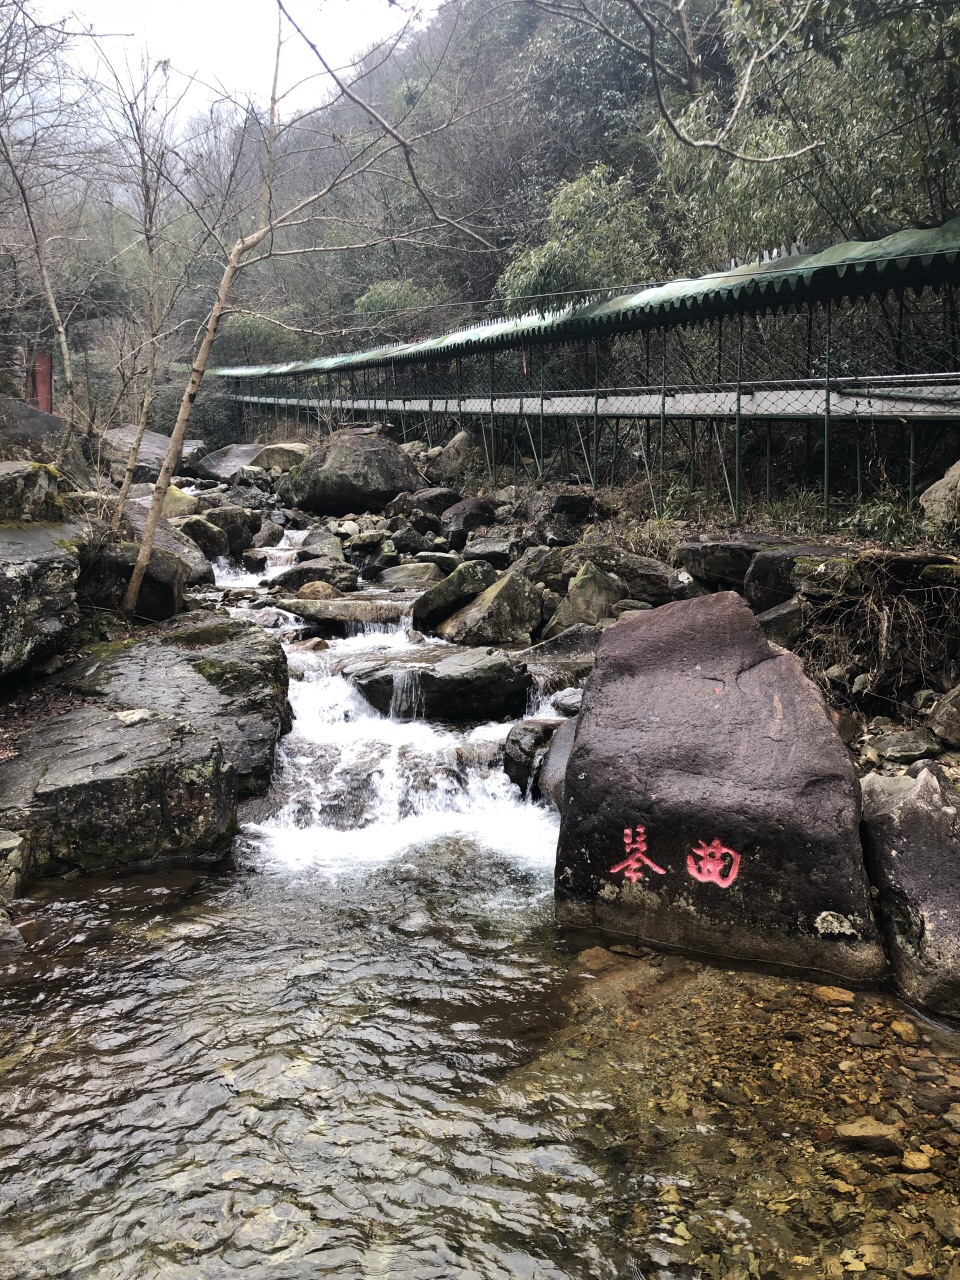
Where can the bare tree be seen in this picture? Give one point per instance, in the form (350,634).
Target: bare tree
(342,159)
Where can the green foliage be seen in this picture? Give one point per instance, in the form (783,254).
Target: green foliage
(601,233)
(256,340)
(884,520)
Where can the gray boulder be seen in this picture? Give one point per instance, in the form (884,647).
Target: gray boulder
(498,551)
(524,750)
(104,580)
(553,771)
(463,517)
(321,542)
(228,464)
(590,597)
(912,844)
(944,719)
(341,617)
(466,685)
(96,788)
(465,583)
(776,572)
(29,435)
(28,491)
(709,802)
(723,561)
(236,524)
(337,573)
(228,678)
(457,459)
(508,612)
(116,444)
(647,580)
(197,568)
(411,575)
(212,542)
(357,470)
(939,502)
(268,535)
(39,565)
(433,501)
(566,658)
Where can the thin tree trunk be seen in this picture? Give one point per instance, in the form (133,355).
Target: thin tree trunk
(134,452)
(178,435)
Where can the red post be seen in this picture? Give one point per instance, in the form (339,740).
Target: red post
(40,379)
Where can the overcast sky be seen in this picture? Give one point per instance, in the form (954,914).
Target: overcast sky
(231,42)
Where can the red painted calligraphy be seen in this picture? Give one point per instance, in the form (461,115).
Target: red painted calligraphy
(714,862)
(635,847)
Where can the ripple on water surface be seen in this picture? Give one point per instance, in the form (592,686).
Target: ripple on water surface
(301,1067)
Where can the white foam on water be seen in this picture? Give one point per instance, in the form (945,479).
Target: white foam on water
(365,788)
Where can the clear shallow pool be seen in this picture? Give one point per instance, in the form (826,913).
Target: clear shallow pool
(299,1065)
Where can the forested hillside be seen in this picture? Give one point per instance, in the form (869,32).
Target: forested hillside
(496,156)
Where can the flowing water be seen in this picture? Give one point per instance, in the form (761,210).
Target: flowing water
(298,1064)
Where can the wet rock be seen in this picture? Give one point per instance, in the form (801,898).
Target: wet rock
(11,939)
(554,768)
(116,444)
(590,597)
(338,573)
(912,844)
(568,701)
(338,617)
(647,580)
(408,541)
(269,535)
(508,612)
(716,756)
(872,1135)
(29,435)
(907,745)
(104,580)
(235,523)
(353,470)
(39,565)
(228,464)
(569,657)
(14,863)
(28,491)
(96,788)
(466,685)
(227,677)
(465,583)
(213,542)
(523,752)
(411,575)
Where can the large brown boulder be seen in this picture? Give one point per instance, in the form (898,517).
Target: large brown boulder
(709,802)
(350,471)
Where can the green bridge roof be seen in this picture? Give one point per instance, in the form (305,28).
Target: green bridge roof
(854,268)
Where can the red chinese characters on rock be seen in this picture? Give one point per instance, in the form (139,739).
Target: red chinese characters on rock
(713,863)
(635,846)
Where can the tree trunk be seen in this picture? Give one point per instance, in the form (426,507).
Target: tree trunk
(180,429)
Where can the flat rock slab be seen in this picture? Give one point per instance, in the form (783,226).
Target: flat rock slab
(337,617)
(30,435)
(225,677)
(96,788)
(709,802)
(39,564)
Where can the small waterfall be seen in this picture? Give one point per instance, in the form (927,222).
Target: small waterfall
(406,702)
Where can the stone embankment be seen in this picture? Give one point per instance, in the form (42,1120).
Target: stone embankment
(711,799)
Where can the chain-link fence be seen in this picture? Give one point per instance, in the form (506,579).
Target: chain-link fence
(858,396)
